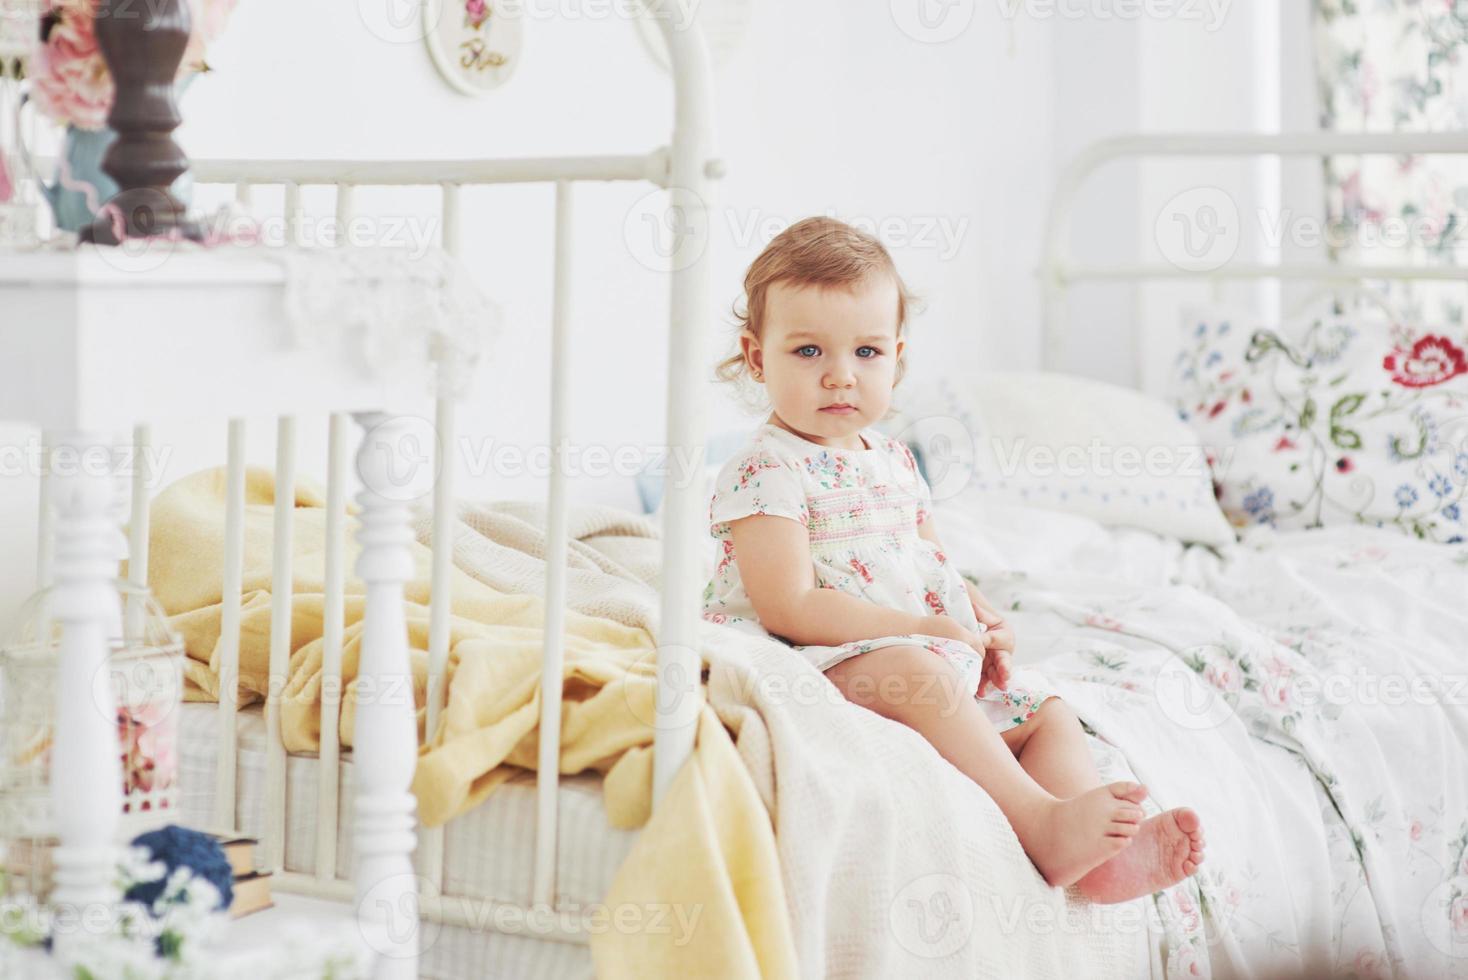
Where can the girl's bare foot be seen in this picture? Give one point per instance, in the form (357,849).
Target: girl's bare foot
(1068,838)
(1166,849)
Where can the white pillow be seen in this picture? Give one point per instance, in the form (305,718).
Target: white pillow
(1066,443)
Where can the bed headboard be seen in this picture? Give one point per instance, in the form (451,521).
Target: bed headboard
(1059,272)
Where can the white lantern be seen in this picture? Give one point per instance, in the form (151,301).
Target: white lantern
(145,675)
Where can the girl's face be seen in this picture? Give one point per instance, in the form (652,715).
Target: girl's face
(828,358)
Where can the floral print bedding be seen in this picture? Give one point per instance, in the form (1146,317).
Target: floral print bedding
(1307,694)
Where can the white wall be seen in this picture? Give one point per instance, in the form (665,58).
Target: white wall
(1246,69)
(949,146)
(827,106)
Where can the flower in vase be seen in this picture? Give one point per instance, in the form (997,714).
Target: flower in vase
(209,17)
(70,80)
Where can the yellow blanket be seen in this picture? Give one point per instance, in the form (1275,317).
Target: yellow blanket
(707,853)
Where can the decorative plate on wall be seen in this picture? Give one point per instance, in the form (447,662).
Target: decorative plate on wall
(475,43)
(723,23)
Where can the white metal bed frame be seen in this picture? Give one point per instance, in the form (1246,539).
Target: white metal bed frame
(385,834)
(1058,273)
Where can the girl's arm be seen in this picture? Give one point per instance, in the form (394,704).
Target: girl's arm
(998,639)
(773,554)
(985,610)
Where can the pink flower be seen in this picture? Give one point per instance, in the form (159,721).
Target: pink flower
(1223,675)
(1184,962)
(476,12)
(157,745)
(1415,830)
(1278,668)
(149,747)
(1103,622)
(71,82)
(1276,693)
(68,75)
(207,21)
(1458,916)
(1368,964)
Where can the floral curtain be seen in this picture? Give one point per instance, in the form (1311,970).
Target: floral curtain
(1397,66)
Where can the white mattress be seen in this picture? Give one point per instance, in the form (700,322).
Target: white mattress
(488,852)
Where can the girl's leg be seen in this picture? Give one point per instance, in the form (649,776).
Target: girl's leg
(1064,837)
(1051,746)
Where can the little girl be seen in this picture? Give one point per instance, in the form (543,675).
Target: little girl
(829,545)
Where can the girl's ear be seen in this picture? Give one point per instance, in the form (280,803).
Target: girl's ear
(901,345)
(754,355)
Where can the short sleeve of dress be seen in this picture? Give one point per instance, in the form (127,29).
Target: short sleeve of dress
(756,482)
(924,494)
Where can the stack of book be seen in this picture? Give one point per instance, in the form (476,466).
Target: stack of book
(251,887)
(28,868)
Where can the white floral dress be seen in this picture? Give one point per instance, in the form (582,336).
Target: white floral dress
(861,509)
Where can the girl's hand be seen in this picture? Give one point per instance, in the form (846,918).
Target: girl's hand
(998,647)
(949,628)
(996,670)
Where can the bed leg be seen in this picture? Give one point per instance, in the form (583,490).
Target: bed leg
(86,770)
(394,470)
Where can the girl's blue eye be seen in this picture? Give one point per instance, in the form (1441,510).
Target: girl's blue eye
(800,350)
(874,352)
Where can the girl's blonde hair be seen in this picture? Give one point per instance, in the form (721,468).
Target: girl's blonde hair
(820,252)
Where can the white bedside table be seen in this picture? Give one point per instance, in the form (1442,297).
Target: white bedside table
(95,340)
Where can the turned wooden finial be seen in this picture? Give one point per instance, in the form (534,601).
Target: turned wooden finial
(143,44)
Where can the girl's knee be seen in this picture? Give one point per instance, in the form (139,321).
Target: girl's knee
(895,681)
(1053,712)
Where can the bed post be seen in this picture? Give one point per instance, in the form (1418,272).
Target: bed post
(689,182)
(86,766)
(393,471)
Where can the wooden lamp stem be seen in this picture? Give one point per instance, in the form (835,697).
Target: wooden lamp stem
(143,44)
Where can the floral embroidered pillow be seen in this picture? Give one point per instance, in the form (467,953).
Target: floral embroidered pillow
(1337,420)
